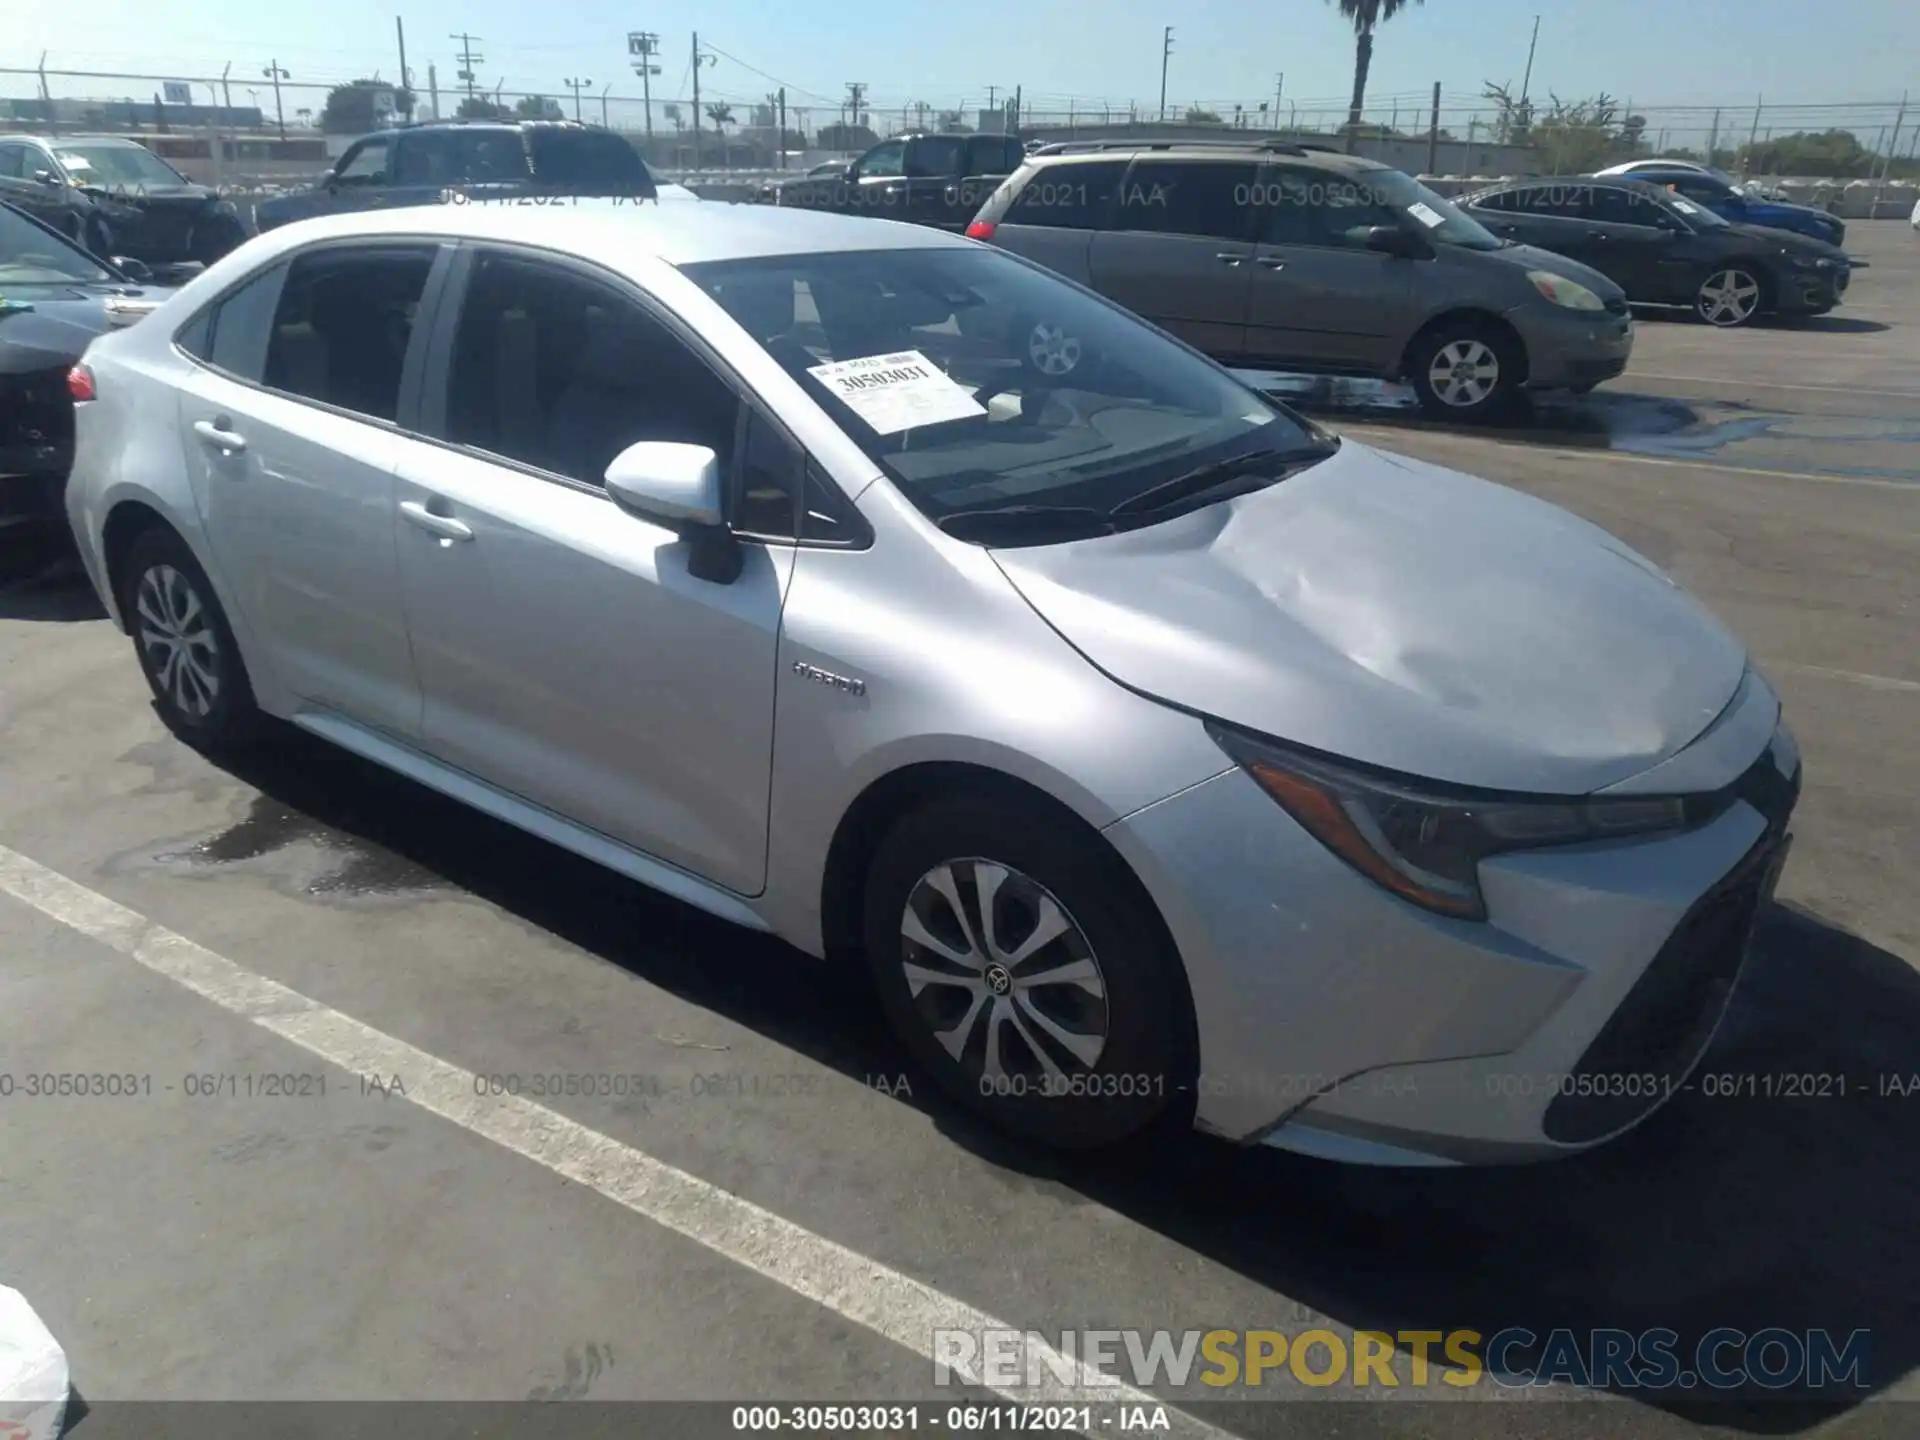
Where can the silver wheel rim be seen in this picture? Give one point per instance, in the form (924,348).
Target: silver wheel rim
(1002,974)
(1464,373)
(1729,297)
(177,637)
(1052,350)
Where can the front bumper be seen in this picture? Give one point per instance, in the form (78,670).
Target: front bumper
(1338,1020)
(178,236)
(1570,348)
(1813,290)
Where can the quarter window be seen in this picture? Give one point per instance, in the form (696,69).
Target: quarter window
(557,371)
(1068,197)
(341,329)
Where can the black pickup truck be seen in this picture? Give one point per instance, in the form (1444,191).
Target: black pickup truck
(939,180)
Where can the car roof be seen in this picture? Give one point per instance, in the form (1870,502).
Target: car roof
(57,140)
(1201,150)
(610,228)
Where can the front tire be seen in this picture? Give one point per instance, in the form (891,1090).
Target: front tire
(185,646)
(1731,297)
(1027,974)
(1467,372)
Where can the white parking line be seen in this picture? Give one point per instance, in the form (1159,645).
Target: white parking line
(1857,677)
(1773,385)
(891,1304)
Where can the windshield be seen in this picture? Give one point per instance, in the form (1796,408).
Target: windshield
(1444,223)
(115,167)
(980,383)
(31,254)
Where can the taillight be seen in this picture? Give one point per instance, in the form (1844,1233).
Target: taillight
(80,383)
(980,230)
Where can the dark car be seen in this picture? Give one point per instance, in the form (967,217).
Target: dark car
(54,299)
(1663,249)
(476,161)
(115,197)
(1275,256)
(938,180)
(1741,207)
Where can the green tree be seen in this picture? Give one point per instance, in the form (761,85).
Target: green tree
(349,108)
(1366,16)
(538,107)
(1836,154)
(479,107)
(1197,116)
(721,114)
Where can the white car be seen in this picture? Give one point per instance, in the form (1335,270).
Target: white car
(1916,215)
(667,190)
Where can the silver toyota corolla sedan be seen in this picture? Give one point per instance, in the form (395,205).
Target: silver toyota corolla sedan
(1167,759)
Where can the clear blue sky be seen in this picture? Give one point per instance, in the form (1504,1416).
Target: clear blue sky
(947,52)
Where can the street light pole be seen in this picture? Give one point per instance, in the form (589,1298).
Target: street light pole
(276,74)
(1166,49)
(642,46)
(577,86)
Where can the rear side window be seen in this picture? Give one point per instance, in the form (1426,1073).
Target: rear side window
(1620,207)
(589,162)
(934,156)
(1201,198)
(1068,197)
(341,329)
(993,155)
(1499,200)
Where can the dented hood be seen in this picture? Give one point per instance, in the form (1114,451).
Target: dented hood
(1403,615)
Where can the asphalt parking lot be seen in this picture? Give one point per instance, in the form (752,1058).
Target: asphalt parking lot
(749,1204)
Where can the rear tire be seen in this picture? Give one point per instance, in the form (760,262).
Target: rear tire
(1467,371)
(1080,1042)
(185,646)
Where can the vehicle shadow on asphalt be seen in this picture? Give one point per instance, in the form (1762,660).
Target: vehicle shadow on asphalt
(1748,1210)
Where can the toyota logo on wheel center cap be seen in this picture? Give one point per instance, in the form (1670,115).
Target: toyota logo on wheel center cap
(999,980)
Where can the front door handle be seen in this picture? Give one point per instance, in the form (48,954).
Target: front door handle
(445,526)
(215,432)
(1228,257)
(1268,262)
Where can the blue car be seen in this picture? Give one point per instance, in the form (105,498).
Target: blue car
(1733,204)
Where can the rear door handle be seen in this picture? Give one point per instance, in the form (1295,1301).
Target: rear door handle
(215,432)
(1268,262)
(445,526)
(1229,257)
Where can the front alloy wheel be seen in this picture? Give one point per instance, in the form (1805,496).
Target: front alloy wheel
(1729,298)
(1464,373)
(1002,976)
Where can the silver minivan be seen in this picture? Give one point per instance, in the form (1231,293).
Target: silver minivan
(1277,256)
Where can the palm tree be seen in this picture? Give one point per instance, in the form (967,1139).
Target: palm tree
(1367,16)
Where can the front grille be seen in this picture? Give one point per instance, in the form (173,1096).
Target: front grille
(1671,1013)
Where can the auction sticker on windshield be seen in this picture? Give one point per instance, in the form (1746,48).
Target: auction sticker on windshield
(1426,214)
(897,392)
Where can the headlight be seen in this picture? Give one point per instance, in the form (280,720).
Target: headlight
(1424,842)
(1562,291)
(1810,262)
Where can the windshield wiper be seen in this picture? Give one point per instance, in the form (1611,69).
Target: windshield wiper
(1222,479)
(1023,522)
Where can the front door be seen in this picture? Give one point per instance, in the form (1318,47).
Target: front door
(289,429)
(566,653)
(1178,249)
(1319,298)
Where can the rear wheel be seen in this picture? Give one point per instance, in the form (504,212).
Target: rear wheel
(186,648)
(1468,371)
(1026,973)
(1730,297)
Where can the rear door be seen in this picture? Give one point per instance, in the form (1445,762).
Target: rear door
(291,428)
(1179,248)
(935,164)
(1318,297)
(1058,209)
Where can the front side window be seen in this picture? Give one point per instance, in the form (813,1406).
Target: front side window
(341,329)
(885,162)
(1316,207)
(1429,212)
(557,371)
(365,164)
(1201,198)
(979,383)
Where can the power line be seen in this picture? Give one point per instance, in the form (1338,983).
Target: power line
(787,84)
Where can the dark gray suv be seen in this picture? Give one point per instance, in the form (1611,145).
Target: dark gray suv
(1281,257)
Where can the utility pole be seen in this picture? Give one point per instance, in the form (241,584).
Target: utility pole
(700,58)
(1713,137)
(1527,83)
(1166,50)
(782,145)
(433,90)
(856,94)
(577,86)
(1279,89)
(1900,119)
(1753,136)
(642,46)
(1018,91)
(276,74)
(468,60)
(406,79)
(1433,134)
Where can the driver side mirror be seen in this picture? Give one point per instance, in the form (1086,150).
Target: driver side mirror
(46,177)
(852,172)
(135,270)
(679,487)
(1392,240)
